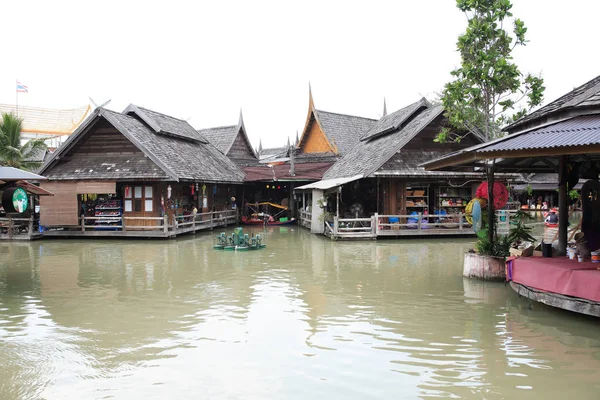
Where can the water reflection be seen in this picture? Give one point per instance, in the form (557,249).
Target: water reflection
(303,317)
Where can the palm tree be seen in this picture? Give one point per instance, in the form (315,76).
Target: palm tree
(12,153)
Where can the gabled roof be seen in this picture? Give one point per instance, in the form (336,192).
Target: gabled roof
(48,120)
(369,155)
(176,155)
(221,137)
(393,121)
(582,98)
(343,131)
(165,124)
(224,137)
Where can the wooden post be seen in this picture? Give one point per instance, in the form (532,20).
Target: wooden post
(30,227)
(10,227)
(211,220)
(460,221)
(419,221)
(165,223)
(174,224)
(124,228)
(491,213)
(335,226)
(563,209)
(194,222)
(82,222)
(376,229)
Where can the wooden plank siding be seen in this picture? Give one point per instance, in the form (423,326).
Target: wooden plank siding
(316,141)
(240,148)
(62,208)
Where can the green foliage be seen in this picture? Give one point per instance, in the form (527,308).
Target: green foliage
(12,153)
(529,190)
(488,90)
(520,232)
(500,247)
(573,194)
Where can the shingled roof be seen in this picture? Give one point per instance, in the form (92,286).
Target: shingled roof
(394,121)
(370,154)
(165,124)
(232,141)
(578,101)
(221,137)
(343,131)
(176,155)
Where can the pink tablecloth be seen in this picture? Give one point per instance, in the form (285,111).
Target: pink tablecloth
(559,275)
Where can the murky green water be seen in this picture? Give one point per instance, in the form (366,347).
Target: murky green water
(304,318)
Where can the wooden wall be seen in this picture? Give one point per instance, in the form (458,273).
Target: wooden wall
(315,141)
(62,209)
(102,140)
(240,148)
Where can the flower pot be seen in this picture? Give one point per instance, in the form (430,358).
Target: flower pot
(484,267)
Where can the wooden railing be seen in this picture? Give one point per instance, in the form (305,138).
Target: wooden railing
(11,227)
(306,219)
(178,224)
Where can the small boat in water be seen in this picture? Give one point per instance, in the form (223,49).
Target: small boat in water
(267,214)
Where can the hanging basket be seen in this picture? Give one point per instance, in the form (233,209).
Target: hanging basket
(500,194)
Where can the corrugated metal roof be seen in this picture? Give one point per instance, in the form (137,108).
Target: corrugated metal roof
(578,131)
(14,174)
(329,183)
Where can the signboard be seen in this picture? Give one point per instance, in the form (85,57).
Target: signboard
(15,200)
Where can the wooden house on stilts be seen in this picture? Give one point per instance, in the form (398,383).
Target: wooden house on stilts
(378,189)
(137,173)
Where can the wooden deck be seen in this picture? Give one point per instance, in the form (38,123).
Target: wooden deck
(382,226)
(180,225)
(19,228)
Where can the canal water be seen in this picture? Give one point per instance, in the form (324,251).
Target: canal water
(303,318)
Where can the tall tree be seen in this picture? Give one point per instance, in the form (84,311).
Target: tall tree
(488,90)
(12,152)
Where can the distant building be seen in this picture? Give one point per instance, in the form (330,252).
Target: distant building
(51,124)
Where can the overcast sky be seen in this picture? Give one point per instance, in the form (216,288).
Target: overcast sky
(204,60)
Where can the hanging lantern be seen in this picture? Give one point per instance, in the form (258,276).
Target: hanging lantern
(127,191)
(169,192)
(193,187)
(500,194)
(278,187)
(267,186)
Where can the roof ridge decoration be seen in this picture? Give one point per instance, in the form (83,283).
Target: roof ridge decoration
(394,121)
(82,129)
(242,128)
(312,111)
(384,108)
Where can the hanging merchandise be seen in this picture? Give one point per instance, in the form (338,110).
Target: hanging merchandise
(127,188)
(193,187)
(500,194)
(169,192)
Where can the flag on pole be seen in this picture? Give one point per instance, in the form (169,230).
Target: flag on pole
(21,88)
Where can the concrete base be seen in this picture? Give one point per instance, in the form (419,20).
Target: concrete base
(486,268)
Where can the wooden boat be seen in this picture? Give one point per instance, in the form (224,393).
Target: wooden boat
(263,215)
(258,221)
(557,282)
(551,225)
